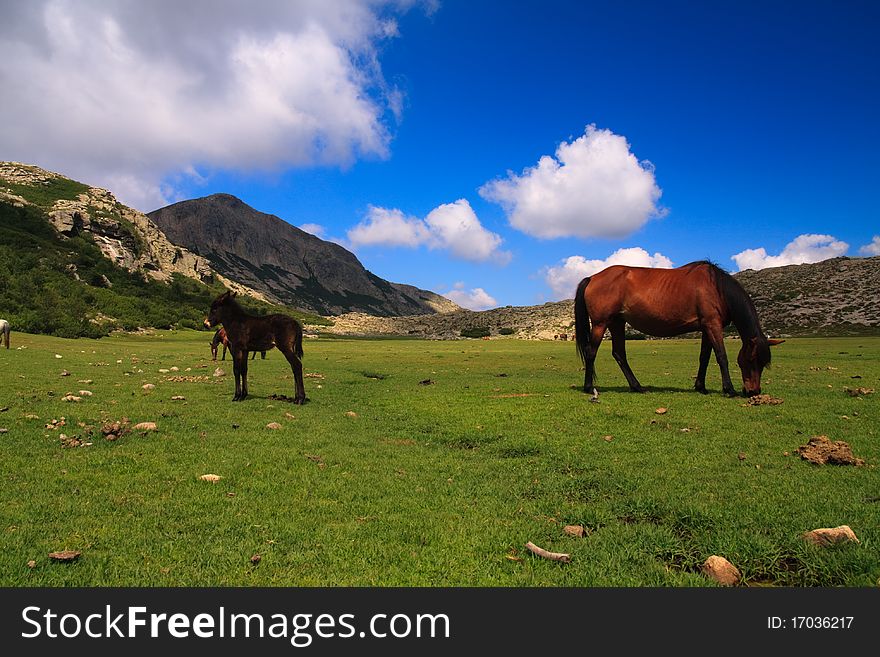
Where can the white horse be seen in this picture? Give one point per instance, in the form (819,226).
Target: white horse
(4,331)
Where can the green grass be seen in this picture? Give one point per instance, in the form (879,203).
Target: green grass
(430,484)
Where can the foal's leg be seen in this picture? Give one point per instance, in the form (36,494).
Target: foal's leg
(716,337)
(236,370)
(618,350)
(597,332)
(705,352)
(296,366)
(243,368)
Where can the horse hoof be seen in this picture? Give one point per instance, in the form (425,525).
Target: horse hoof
(639,389)
(701,389)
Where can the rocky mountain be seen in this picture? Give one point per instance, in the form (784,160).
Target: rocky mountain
(834,297)
(285,263)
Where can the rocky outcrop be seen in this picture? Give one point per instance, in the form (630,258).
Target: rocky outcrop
(126,236)
(550,321)
(285,263)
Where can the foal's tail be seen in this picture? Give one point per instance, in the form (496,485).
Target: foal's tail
(581,320)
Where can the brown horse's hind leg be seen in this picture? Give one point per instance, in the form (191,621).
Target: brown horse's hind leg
(618,350)
(705,352)
(597,332)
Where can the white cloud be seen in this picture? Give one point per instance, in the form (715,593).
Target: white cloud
(475,299)
(143,91)
(563,279)
(315,229)
(872,248)
(802,249)
(389,228)
(593,187)
(451,226)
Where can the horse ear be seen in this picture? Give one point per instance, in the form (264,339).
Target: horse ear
(773,342)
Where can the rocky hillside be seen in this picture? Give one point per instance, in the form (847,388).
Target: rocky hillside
(125,236)
(834,297)
(285,263)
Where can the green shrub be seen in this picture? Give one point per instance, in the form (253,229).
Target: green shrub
(475,332)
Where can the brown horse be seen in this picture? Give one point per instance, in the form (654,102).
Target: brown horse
(698,296)
(246,332)
(221,339)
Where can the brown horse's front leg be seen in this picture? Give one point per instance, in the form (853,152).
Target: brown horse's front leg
(716,336)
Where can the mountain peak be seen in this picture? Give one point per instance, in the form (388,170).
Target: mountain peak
(285,263)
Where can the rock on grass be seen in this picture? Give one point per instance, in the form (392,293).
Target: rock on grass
(828,536)
(721,570)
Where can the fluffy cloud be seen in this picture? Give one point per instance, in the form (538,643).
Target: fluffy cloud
(563,279)
(315,229)
(128,94)
(451,226)
(475,299)
(803,248)
(384,227)
(872,248)
(593,187)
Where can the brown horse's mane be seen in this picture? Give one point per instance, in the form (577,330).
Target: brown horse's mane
(742,309)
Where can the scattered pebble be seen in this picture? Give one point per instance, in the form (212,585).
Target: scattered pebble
(211,477)
(145,426)
(148,386)
(273,425)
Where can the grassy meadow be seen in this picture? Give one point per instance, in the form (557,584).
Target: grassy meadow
(420,463)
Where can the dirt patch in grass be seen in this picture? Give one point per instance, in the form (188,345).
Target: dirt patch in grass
(823,451)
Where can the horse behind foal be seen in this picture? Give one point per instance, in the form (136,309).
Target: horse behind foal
(664,302)
(5,331)
(246,332)
(220,338)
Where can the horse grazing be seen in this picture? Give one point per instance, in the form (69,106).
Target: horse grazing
(5,331)
(246,332)
(217,341)
(221,339)
(698,296)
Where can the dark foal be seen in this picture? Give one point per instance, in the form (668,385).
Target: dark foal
(664,302)
(246,332)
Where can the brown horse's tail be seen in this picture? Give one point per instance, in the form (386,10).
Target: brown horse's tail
(581,320)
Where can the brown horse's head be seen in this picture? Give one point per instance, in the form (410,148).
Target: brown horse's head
(217,307)
(753,358)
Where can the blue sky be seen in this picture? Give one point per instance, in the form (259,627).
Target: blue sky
(412,132)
